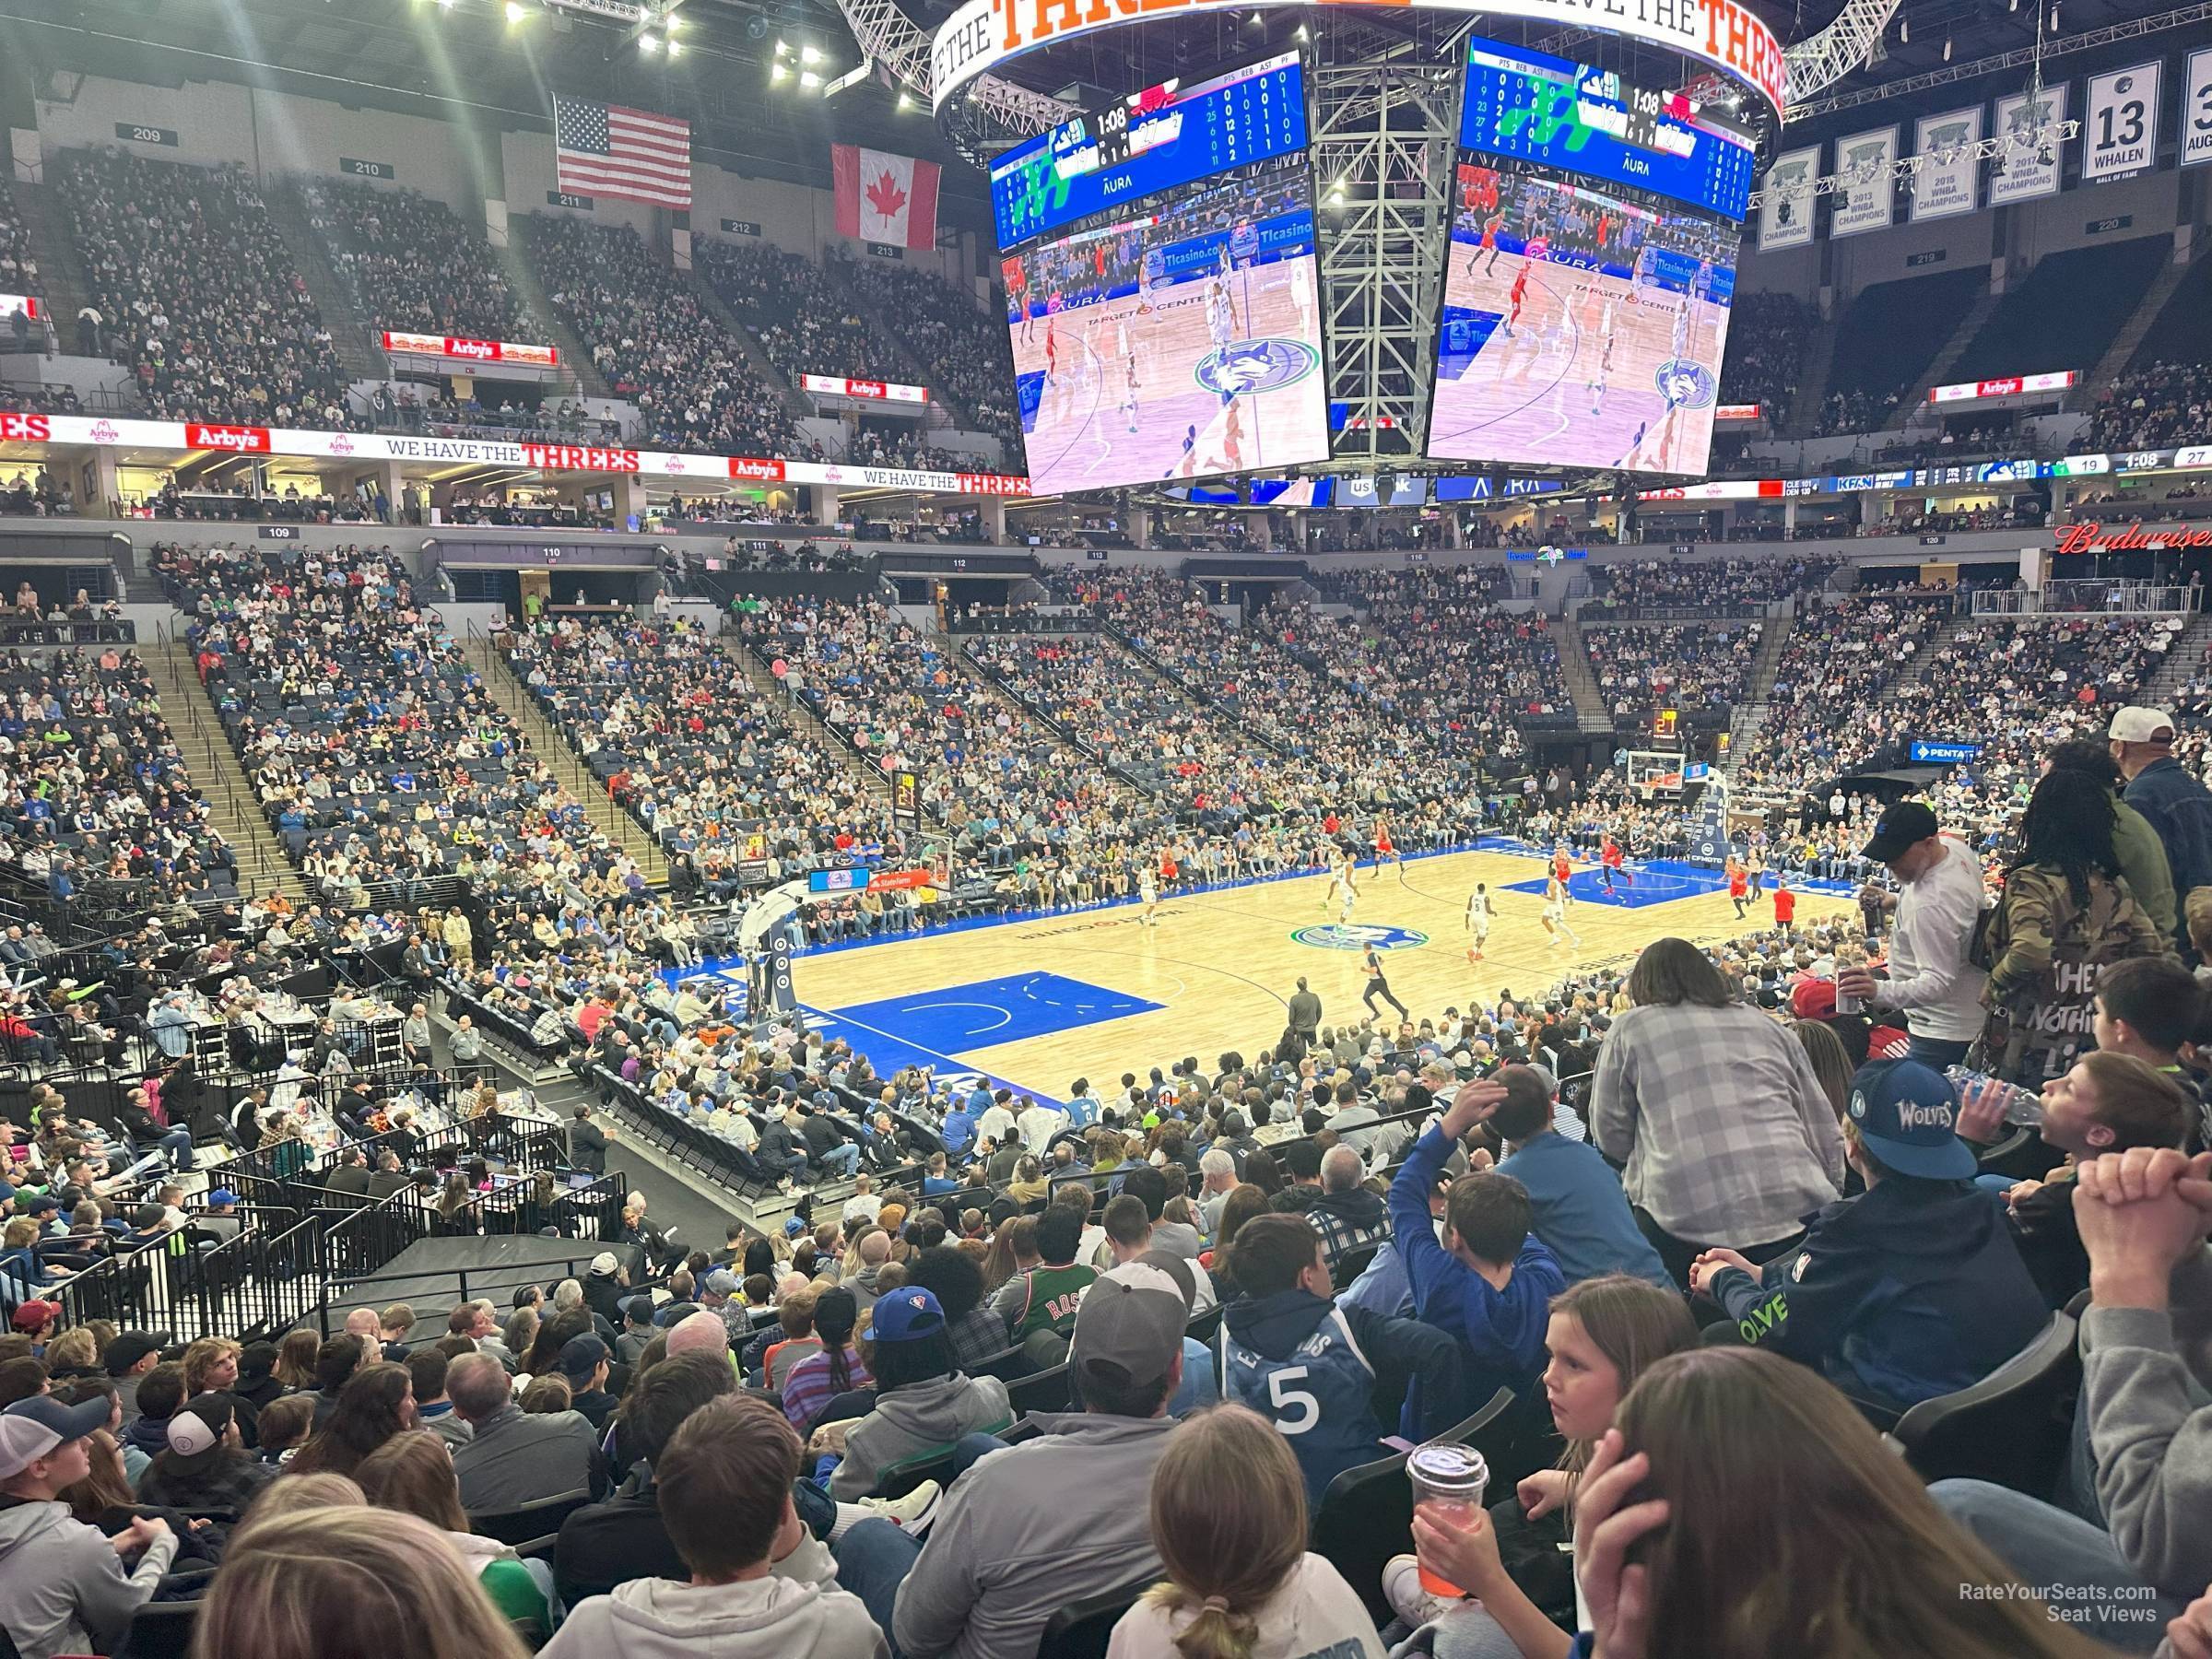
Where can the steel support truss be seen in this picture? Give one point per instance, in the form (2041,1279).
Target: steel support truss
(1383,138)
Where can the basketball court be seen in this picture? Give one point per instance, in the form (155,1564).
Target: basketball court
(1034,1005)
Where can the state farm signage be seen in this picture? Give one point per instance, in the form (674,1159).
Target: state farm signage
(838,385)
(2089,536)
(2013,385)
(244,439)
(1724,34)
(472,351)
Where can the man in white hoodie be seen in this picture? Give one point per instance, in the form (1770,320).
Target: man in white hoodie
(724,1486)
(64,1588)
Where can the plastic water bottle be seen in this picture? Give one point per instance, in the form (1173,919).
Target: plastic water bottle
(2023,1107)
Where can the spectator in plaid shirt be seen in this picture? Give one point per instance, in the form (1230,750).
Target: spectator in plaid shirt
(1348,1216)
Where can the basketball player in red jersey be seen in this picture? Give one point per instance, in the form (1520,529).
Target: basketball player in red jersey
(1562,867)
(1519,296)
(1384,847)
(1613,862)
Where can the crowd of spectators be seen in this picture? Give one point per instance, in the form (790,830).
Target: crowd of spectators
(1703,582)
(412,266)
(1639,668)
(1767,333)
(2154,407)
(802,320)
(966,349)
(654,342)
(196,294)
(1836,666)
(18,272)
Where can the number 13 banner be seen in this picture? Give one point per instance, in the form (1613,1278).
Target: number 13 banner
(2120,130)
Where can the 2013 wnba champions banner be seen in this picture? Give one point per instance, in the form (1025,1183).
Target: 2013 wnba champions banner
(983,34)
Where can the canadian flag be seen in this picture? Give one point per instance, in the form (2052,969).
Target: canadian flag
(885,198)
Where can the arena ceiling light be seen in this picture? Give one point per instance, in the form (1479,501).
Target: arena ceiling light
(516,11)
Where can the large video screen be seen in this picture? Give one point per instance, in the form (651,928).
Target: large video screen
(1581,326)
(1545,110)
(1175,340)
(1154,140)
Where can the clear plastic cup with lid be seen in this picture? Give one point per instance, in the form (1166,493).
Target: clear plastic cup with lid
(1448,1481)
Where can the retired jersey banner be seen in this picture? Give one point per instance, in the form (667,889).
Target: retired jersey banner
(472,351)
(1867,197)
(1785,199)
(885,198)
(2120,123)
(1944,145)
(2196,108)
(839,385)
(2026,164)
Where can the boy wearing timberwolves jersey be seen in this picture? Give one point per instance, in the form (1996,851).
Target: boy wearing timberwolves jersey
(1312,1367)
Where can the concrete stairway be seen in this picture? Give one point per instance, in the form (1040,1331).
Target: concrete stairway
(2132,334)
(550,746)
(356,354)
(575,356)
(63,286)
(794,405)
(804,720)
(1953,349)
(1773,640)
(1590,709)
(1813,370)
(264,866)
(2182,661)
(915,370)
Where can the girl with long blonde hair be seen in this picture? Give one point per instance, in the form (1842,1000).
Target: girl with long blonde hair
(1228,1519)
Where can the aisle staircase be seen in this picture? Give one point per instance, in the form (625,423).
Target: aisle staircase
(915,369)
(310,260)
(2132,333)
(1915,400)
(1814,366)
(1773,640)
(550,746)
(795,406)
(2183,659)
(804,720)
(577,366)
(264,866)
(64,285)
(1590,710)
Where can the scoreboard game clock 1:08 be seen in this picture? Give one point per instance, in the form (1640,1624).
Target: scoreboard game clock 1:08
(1159,139)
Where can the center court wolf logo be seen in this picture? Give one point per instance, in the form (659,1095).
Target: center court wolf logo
(1336,935)
(1254,366)
(1684,384)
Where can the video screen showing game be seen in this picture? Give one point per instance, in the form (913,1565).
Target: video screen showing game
(1175,338)
(1582,326)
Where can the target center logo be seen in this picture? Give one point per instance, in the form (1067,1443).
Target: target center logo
(1338,935)
(1685,384)
(1264,365)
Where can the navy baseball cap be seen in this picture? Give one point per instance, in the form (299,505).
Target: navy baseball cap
(906,1314)
(1908,1115)
(1906,824)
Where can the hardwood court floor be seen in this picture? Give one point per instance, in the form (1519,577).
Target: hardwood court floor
(1095,993)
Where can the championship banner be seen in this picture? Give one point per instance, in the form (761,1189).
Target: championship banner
(2026,166)
(471,351)
(2196,108)
(1722,34)
(1863,164)
(1943,185)
(2120,123)
(25,304)
(1786,202)
(838,385)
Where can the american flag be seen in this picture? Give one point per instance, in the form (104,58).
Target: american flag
(606,150)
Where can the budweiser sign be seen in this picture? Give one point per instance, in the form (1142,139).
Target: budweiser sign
(2090,536)
(471,351)
(245,440)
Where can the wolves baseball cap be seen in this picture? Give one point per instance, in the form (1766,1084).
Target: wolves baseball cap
(2136,724)
(1907,1114)
(1905,824)
(31,1429)
(196,1430)
(580,1356)
(1129,1329)
(907,1314)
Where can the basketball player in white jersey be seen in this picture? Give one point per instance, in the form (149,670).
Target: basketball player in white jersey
(1555,913)
(1343,892)
(1480,911)
(1129,394)
(1148,885)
